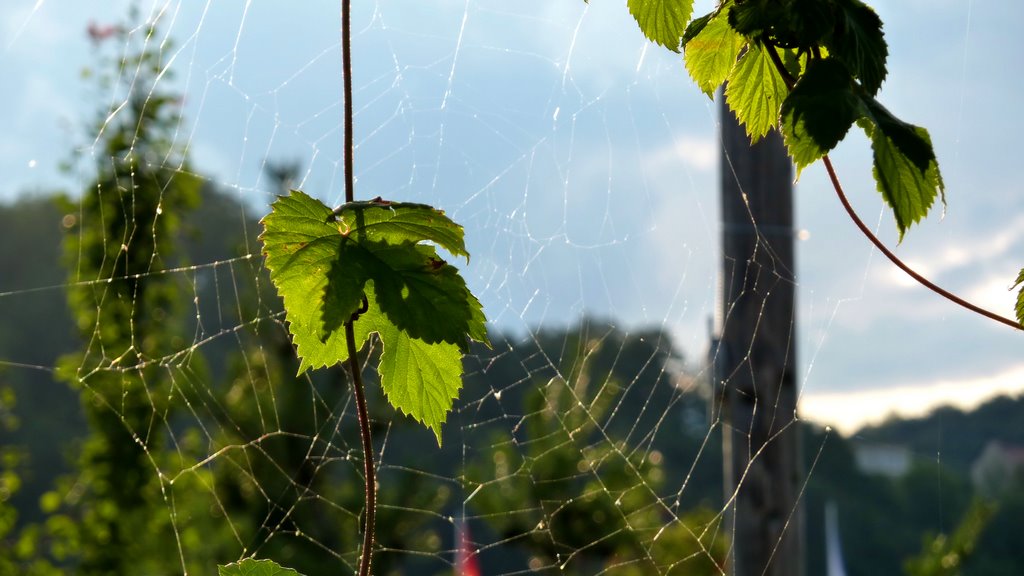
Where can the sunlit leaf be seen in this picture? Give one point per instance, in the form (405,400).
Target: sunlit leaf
(755,91)
(420,379)
(376,262)
(905,168)
(662,21)
(711,54)
(251,567)
(1020,296)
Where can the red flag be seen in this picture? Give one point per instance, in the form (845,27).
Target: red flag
(467,563)
(98,33)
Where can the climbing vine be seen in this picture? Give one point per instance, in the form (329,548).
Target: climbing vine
(372,267)
(811,70)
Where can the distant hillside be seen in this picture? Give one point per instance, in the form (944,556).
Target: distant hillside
(954,436)
(882,520)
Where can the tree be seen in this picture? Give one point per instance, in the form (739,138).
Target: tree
(127,224)
(587,502)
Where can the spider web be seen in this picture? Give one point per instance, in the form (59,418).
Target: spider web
(584,167)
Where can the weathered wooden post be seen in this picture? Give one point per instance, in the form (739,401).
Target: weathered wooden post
(755,356)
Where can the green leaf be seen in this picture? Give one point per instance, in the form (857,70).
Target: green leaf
(419,292)
(819,111)
(301,242)
(396,222)
(251,567)
(320,260)
(905,168)
(755,91)
(662,21)
(711,54)
(1020,296)
(751,18)
(377,259)
(695,27)
(859,42)
(808,22)
(420,379)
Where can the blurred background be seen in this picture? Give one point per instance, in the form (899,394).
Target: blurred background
(151,418)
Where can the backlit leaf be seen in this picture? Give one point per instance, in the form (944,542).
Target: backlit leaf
(662,21)
(755,91)
(395,222)
(819,111)
(1020,296)
(712,53)
(420,379)
(859,42)
(251,567)
(696,26)
(905,168)
(379,259)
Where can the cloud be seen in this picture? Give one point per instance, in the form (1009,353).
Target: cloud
(695,152)
(849,411)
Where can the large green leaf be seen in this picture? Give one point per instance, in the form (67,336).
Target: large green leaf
(905,168)
(420,379)
(711,54)
(376,261)
(301,242)
(251,567)
(859,42)
(1020,296)
(819,111)
(395,222)
(420,293)
(662,21)
(755,91)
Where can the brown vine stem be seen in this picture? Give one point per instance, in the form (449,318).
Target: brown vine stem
(790,82)
(366,554)
(902,265)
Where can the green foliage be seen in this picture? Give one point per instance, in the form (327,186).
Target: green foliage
(588,501)
(374,263)
(127,228)
(251,567)
(842,53)
(858,42)
(905,167)
(945,555)
(662,21)
(818,112)
(711,52)
(1019,308)
(755,46)
(754,91)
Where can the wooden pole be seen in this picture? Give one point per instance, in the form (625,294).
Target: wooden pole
(754,356)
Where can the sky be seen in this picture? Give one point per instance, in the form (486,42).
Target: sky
(583,163)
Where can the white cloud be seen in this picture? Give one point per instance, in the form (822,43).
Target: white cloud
(698,153)
(849,411)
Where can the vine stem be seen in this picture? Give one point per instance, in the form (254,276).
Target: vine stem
(346,64)
(370,481)
(790,82)
(368,471)
(902,265)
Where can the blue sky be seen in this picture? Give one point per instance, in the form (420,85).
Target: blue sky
(584,164)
